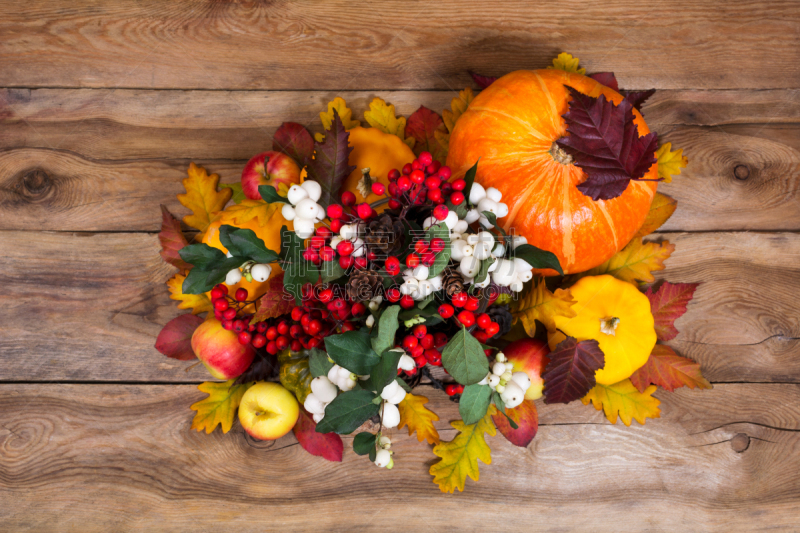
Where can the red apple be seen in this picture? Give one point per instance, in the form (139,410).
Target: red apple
(529,356)
(220,351)
(269,168)
(268,411)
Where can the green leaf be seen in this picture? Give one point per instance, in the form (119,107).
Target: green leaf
(364,442)
(492,218)
(501,407)
(318,362)
(403,384)
(195,282)
(474,403)
(537,258)
(442,258)
(373,453)
(270,195)
(422,304)
(217,273)
(469,177)
(291,245)
(383,339)
(243,242)
(201,256)
(238,193)
(464,359)
(298,273)
(480,277)
(331,270)
(348,411)
(352,351)
(384,372)
(460,209)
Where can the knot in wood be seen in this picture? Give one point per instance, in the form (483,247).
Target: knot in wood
(36,182)
(741,172)
(740,442)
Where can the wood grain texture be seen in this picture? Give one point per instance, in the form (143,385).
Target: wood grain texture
(96,160)
(122,457)
(89,306)
(277,45)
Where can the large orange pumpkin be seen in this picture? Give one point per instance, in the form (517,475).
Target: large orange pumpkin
(512,127)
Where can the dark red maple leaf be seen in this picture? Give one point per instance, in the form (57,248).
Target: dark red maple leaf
(293,140)
(172,240)
(527,419)
(669,371)
(570,373)
(326,445)
(482,81)
(330,166)
(175,339)
(604,142)
(421,126)
(668,304)
(637,98)
(273,304)
(606,78)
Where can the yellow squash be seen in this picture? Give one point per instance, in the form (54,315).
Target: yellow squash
(617,315)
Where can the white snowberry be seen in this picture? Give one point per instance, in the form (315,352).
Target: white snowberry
(233,277)
(333,374)
(425,288)
(469,266)
(358,247)
(406,363)
(499,250)
(313,189)
(391,415)
(457,249)
(518,241)
(421,272)
(318,417)
(472,216)
(451,220)
(498,368)
(295,194)
(383,458)
(323,389)
(436,281)
(370,321)
(260,272)
(314,404)
(398,396)
(385,442)
(494,194)
(389,390)
(522,379)
(303,227)
(461,226)
(516,286)
(306,208)
(502,210)
(428,222)
(476,194)
(288,212)
(349,232)
(487,204)
(494,380)
(512,395)
(347,384)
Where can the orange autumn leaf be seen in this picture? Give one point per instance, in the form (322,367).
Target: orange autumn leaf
(202,197)
(220,407)
(635,262)
(247,210)
(538,303)
(459,457)
(198,303)
(623,400)
(669,371)
(660,210)
(418,418)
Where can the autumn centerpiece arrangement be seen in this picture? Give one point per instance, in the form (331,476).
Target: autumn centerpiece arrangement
(494,253)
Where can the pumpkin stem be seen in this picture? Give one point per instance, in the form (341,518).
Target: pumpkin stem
(560,155)
(609,325)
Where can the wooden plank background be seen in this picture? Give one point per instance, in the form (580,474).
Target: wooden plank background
(102,107)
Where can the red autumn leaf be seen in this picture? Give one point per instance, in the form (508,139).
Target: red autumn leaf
(604,142)
(668,304)
(172,240)
(637,98)
(274,302)
(669,371)
(293,140)
(326,445)
(421,125)
(330,165)
(570,373)
(175,339)
(482,81)
(527,420)
(606,78)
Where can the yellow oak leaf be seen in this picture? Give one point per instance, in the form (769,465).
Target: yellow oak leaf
(247,210)
(458,105)
(202,197)
(624,400)
(538,303)
(660,210)
(220,407)
(460,455)
(345,114)
(565,61)
(382,116)
(417,417)
(670,163)
(198,303)
(636,261)
(443,138)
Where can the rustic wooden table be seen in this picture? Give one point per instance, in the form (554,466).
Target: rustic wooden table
(104,104)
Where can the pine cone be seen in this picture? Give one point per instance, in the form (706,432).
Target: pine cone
(384,235)
(363,286)
(452,282)
(502,316)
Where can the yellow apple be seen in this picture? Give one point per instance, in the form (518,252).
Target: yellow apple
(268,411)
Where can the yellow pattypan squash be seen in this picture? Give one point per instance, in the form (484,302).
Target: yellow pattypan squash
(617,315)
(379,152)
(270,233)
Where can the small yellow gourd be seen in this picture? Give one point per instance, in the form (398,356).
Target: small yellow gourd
(617,315)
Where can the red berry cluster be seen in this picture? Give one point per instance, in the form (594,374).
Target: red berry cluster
(486,328)
(453,388)
(424,180)
(424,347)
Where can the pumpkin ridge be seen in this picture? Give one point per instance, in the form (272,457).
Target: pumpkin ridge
(556,122)
(512,215)
(567,246)
(607,217)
